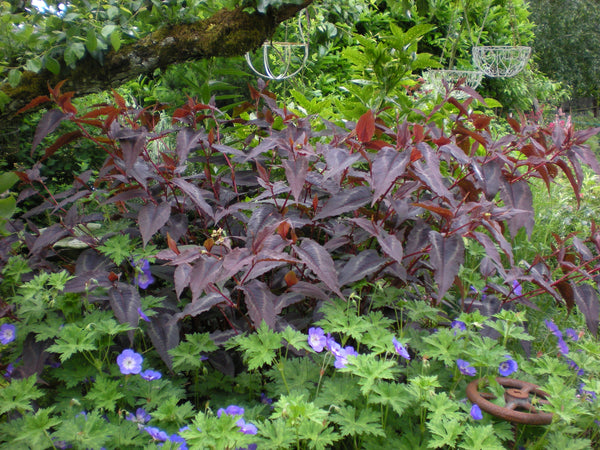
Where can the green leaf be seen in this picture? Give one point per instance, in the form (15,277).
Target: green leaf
(34,428)
(371,370)
(118,248)
(91,41)
(73,53)
(105,393)
(14,77)
(173,413)
(115,40)
(259,348)
(353,423)
(52,65)
(19,394)
(481,438)
(73,339)
(84,431)
(296,339)
(7,180)
(34,65)
(445,432)
(7,207)
(395,395)
(278,433)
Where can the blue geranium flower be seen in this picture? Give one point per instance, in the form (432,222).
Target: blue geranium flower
(316,339)
(150,375)
(465,367)
(508,367)
(130,362)
(341,357)
(144,277)
(231,410)
(476,412)
(143,316)
(157,434)
(246,428)
(8,333)
(140,417)
(400,349)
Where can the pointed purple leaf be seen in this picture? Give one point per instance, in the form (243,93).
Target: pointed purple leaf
(388,165)
(391,246)
(187,140)
(446,255)
(586,299)
(125,301)
(132,149)
(517,195)
(320,262)
(204,273)
(359,267)
(347,200)
(48,123)
(295,171)
(260,302)
(152,218)
(198,306)
(164,334)
(194,193)
(49,237)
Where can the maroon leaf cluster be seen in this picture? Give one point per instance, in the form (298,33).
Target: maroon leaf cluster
(254,216)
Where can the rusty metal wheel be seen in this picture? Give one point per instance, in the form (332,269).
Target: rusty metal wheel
(517,397)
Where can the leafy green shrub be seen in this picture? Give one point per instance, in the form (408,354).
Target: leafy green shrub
(197,234)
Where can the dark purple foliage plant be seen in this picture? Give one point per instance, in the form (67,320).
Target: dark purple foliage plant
(259,216)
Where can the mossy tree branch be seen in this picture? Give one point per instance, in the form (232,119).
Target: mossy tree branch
(226,33)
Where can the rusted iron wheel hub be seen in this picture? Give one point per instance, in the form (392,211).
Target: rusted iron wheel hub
(518,407)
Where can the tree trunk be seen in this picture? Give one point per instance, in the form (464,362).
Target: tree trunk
(226,33)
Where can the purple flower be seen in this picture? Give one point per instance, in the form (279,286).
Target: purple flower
(246,428)
(143,316)
(231,410)
(517,288)
(144,277)
(8,333)
(129,362)
(400,349)
(572,334)
(553,328)
(179,440)
(316,339)
(508,367)
(331,345)
(563,348)
(476,412)
(157,435)
(265,400)
(150,375)
(590,396)
(574,366)
(457,325)
(140,417)
(341,358)
(465,367)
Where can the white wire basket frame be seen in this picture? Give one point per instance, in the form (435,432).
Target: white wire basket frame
(501,60)
(286,52)
(435,79)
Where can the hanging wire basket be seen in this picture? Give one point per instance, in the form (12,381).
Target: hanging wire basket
(279,57)
(435,79)
(501,61)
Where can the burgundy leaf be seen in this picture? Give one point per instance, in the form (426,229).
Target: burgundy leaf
(310,290)
(203,274)
(33,357)
(586,299)
(200,305)
(152,218)
(295,171)
(587,155)
(347,200)
(164,334)
(132,148)
(187,140)
(338,160)
(181,278)
(266,145)
(320,262)
(365,127)
(489,246)
(446,255)
(430,175)
(48,123)
(391,246)
(49,237)
(195,195)
(584,252)
(260,302)
(359,267)
(517,195)
(125,301)
(388,165)
(227,150)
